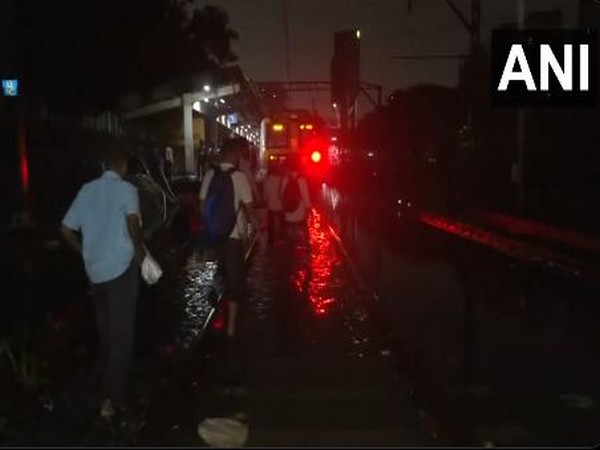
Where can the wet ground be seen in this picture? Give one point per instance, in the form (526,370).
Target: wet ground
(500,351)
(368,329)
(314,367)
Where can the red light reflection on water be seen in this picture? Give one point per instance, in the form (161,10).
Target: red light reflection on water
(299,279)
(323,259)
(221,316)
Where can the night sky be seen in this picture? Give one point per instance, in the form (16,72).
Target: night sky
(387,29)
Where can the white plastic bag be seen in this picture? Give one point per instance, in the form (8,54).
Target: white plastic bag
(151,271)
(223,432)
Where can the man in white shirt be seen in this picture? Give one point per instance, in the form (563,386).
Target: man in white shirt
(232,251)
(299,214)
(246,167)
(106,211)
(272,198)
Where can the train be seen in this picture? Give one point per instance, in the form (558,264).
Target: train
(297,134)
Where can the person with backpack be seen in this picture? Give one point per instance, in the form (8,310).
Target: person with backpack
(295,196)
(226,204)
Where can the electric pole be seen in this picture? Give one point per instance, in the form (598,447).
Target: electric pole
(519,175)
(286,38)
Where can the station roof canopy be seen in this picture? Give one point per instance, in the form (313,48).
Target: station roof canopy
(223,91)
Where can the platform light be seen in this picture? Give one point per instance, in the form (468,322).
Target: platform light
(309,126)
(206,88)
(357,34)
(278,127)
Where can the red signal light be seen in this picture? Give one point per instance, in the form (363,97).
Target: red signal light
(316,156)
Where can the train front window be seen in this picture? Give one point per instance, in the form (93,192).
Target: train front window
(306,135)
(277,136)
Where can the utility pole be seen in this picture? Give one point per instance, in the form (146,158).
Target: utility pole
(475,23)
(519,174)
(286,31)
(472,25)
(345,77)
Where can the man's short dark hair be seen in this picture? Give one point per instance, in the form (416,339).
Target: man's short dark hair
(233,145)
(116,154)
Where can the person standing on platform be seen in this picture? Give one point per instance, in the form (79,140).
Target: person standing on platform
(106,212)
(272,198)
(248,170)
(295,196)
(227,206)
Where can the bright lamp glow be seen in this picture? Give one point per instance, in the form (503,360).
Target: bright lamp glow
(206,88)
(277,127)
(315,156)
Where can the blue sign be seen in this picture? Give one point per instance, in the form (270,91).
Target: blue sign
(10,88)
(232,119)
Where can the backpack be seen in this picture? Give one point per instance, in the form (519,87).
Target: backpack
(219,212)
(291,197)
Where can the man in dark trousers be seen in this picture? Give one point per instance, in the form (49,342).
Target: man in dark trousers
(272,198)
(231,249)
(106,213)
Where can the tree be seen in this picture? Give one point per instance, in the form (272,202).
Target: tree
(87,53)
(414,135)
(413,121)
(165,42)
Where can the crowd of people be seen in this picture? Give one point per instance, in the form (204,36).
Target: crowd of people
(103,224)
